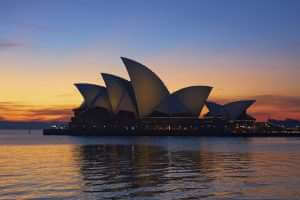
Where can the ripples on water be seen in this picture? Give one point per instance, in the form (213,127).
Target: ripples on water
(49,167)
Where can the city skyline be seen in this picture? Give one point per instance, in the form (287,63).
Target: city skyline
(246,50)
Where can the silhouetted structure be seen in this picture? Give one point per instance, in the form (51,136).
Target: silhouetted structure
(143,102)
(234,113)
(144,106)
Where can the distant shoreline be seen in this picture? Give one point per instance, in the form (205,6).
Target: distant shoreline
(112,132)
(27,125)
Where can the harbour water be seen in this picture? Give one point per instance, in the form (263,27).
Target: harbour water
(33,166)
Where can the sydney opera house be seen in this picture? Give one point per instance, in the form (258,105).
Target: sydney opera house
(145,102)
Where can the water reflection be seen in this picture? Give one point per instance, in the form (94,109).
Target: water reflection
(151,168)
(141,171)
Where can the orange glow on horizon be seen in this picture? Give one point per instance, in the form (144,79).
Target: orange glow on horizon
(32,90)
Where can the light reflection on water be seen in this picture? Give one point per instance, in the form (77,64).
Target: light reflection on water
(39,167)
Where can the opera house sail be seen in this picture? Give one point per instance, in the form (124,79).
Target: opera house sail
(144,106)
(89,92)
(234,111)
(149,90)
(120,93)
(144,102)
(185,102)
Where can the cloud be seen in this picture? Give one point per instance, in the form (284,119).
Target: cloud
(9,44)
(22,112)
(279,99)
(10,106)
(276,106)
(50,111)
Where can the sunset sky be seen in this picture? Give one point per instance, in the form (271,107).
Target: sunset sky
(244,49)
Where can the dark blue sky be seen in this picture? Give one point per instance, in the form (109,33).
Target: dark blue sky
(155,25)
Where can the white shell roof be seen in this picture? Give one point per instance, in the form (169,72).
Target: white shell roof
(171,105)
(93,95)
(149,90)
(235,109)
(216,109)
(120,93)
(231,110)
(188,100)
(193,98)
(144,94)
(102,100)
